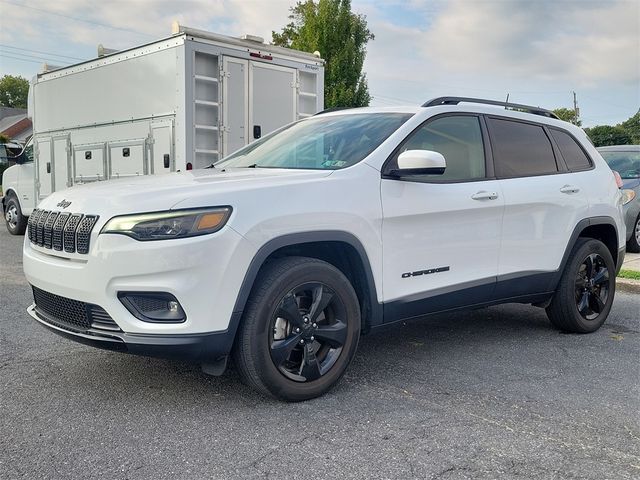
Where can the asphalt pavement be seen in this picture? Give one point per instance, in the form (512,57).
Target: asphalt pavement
(492,393)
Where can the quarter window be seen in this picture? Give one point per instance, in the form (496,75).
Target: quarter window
(520,149)
(458,139)
(574,155)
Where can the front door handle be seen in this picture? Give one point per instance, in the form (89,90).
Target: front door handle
(484,195)
(568,189)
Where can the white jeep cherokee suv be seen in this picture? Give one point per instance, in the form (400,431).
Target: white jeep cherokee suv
(282,254)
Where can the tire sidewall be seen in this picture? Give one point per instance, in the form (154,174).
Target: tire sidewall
(632,244)
(273,379)
(589,247)
(12,200)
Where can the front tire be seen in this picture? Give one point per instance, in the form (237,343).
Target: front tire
(15,221)
(299,331)
(584,296)
(633,245)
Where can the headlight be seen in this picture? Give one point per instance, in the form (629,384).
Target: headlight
(627,196)
(169,224)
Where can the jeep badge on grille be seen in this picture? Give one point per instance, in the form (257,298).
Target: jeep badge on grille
(63,204)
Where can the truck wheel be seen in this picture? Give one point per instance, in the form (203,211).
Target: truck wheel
(585,293)
(16,222)
(299,330)
(633,245)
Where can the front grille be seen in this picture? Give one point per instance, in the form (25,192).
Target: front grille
(71,314)
(61,231)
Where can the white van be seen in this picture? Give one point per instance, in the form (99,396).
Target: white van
(179,103)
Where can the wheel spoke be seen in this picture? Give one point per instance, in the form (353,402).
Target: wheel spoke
(335,335)
(310,366)
(290,311)
(321,298)
(583,304)
(601,276)
(595,303)
(281,349)
(588,263)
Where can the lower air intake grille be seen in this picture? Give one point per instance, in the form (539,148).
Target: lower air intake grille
(71,314)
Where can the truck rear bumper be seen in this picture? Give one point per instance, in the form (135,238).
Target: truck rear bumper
(197,347)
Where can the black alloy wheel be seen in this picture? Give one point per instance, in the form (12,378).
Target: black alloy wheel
(592,286)
(583,298)
(299,330)
(309,332)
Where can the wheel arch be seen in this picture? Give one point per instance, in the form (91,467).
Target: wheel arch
(341,249)
(599,228)
(9,192)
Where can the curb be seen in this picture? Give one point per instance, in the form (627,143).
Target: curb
(628,285)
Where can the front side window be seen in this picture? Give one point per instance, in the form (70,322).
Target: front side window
(459,140)
(520,149)
(627,164)
(325,142)
(571,152)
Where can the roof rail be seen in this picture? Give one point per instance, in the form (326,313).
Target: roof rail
(514,106)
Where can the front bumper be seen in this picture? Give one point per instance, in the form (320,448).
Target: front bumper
(198,347)
(631,212)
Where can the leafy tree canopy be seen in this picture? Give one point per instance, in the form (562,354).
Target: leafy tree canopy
(604,135)
(13,91)
(341,36)
(568,115)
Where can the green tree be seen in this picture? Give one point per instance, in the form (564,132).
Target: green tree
(568,115)
(632,127)
(13,91)
(341,36)
(603,135)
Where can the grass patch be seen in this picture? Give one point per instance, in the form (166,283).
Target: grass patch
(632,274)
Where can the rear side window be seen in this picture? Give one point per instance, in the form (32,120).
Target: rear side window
(574,155)
(520,149)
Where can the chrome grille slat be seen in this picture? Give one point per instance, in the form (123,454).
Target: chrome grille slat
(40,227)
(56,241)
(70,232)
(48,229)
(33,221)
(83,233)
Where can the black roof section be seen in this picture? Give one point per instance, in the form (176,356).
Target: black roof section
(514,106)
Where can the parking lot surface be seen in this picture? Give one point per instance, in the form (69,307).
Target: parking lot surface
(492,393)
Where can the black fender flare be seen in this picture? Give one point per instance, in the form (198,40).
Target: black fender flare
(301,238)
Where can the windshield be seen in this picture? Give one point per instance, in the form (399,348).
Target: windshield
(319,143)
(627,164)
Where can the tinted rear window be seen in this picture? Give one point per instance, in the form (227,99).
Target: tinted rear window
(520,149)
(574,155)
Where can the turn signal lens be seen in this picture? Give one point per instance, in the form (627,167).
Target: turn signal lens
(210,220)
(627,196)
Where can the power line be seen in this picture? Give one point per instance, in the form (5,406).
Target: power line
(20,59)
(38,51)
(75,18)
(44,59)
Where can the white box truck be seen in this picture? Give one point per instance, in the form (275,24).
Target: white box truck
(179,103)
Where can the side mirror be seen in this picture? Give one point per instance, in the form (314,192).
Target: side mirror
(420,162)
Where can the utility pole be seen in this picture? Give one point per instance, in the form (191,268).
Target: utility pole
(576,110)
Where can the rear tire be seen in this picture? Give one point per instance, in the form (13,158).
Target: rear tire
(299,331)
(15,221)
(584,296)
(633,245)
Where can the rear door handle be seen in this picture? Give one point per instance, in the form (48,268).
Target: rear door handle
(568,189)
(483,195)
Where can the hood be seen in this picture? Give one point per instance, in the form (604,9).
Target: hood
(162,192)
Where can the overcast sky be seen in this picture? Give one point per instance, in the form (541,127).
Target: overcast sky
(536,51)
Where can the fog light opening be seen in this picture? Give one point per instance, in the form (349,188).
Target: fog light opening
(154,307)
